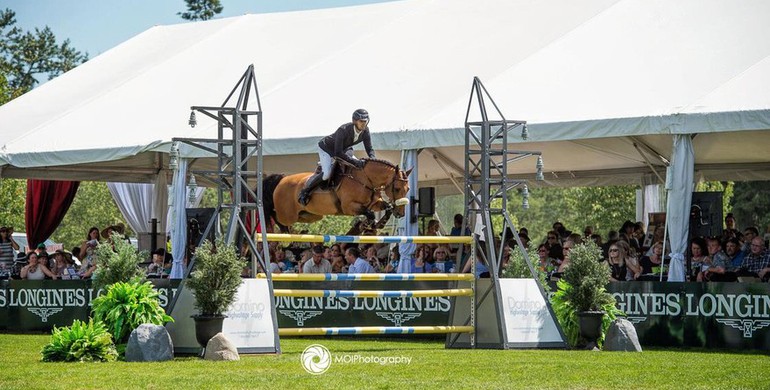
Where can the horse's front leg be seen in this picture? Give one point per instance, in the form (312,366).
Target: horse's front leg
(381,205)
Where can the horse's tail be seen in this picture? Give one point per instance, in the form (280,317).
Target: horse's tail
(269,184)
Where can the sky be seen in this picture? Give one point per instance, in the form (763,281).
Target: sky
(95,26)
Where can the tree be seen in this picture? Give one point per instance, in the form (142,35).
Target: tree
(93,207)
(13,194)
(26,55)
(201,9)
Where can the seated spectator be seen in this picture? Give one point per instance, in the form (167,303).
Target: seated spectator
(730,230)
(357,264)
(546,263)
(617,264)
(633,268)
(734,254)
(566,248)
(65,266)
(698,260)
(654,260)
(279,259)
(43,258)
(482,271)
(35,270)
(88,262)
(420,264)
(588,232)
(317,264)
(156,267)
(559,228)
(718,264)
(443,263)
(524,238)
(757,260)
(552,239)
(458,226)
(393,260)
(304,257)
(371,256)
(748,234)
(597,239)
(339,265)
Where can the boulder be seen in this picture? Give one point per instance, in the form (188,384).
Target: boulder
(149,343)
(220,348)
(621,336)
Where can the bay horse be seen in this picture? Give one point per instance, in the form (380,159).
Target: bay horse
(378,186)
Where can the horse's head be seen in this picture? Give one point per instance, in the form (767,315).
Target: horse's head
(397,190)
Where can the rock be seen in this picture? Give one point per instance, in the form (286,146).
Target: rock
(621,336)
(149,343)
(220,348)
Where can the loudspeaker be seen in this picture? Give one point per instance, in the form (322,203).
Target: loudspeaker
(706,214)
(427,204)
(197,220)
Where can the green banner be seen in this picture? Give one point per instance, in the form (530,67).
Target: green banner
(718,315)
(39,305)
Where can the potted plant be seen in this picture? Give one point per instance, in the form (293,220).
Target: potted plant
(582,304)
(214,281)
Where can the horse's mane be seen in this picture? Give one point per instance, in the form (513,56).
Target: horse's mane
(381,161)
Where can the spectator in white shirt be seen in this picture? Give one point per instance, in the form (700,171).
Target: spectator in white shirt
(317,265)
(357,264)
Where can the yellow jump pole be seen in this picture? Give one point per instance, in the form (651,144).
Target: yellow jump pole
(373,330)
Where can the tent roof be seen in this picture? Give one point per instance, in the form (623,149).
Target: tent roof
(592,78)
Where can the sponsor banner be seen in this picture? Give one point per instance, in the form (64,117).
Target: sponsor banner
(39,305)
(299,312)
(732,315)
(719,315)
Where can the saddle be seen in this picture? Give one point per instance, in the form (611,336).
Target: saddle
(339,170)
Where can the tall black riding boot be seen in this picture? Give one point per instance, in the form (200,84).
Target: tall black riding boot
(311,183)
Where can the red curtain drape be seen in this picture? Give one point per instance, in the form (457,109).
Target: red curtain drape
(47,203)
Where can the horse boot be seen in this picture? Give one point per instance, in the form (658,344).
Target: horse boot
(311,183)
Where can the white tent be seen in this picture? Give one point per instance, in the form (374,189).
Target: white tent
(604,85)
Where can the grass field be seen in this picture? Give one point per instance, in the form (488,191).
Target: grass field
(431,367)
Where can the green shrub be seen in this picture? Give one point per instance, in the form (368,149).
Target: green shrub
(120,264)
(216,277)
(518,268)
(81,342)
(583,288)
(125,306)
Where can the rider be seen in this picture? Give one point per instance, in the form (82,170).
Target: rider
(339,145)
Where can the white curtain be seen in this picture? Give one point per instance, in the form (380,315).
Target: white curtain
(135,201)
(178,219)
(680,181)
(406,227)
(653,202)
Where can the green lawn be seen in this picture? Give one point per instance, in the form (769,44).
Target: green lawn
(431,367)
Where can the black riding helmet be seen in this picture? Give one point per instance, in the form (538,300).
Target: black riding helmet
(360,114)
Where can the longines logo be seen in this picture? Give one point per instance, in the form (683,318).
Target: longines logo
(398,318)
(747,326)
(636,320)
(44,312)
(300,315)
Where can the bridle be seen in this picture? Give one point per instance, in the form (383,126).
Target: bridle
(375,190)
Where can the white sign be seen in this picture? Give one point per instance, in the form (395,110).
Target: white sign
(249,322)
(527,319)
